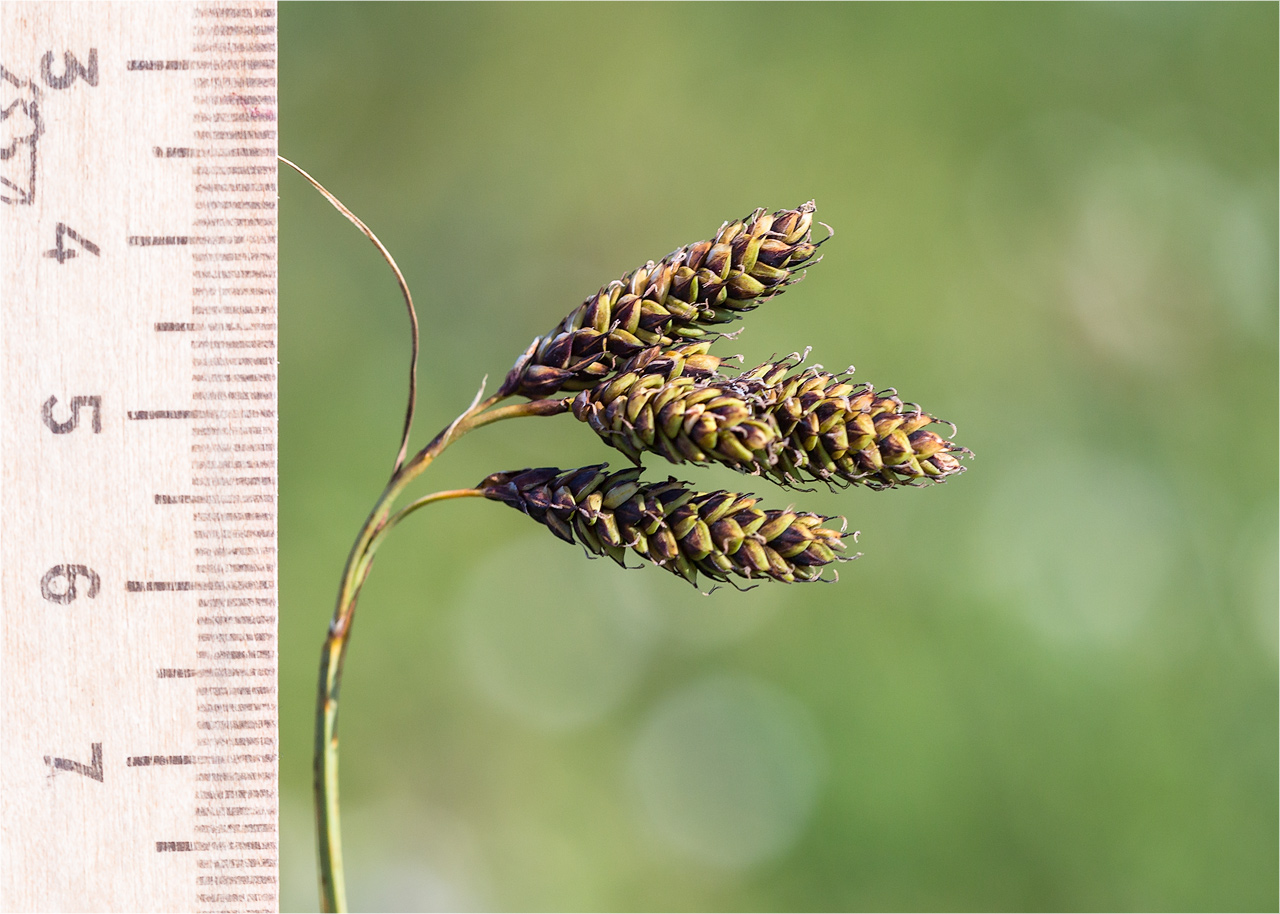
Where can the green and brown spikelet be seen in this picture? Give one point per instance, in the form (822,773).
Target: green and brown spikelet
(840,432)
(792,426)
(673,402)
(691,289)
(716,533)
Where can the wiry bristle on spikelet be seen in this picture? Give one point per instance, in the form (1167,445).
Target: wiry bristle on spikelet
(772,420)
(692,289)
(716,533)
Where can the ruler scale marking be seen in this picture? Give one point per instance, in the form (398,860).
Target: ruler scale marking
(139,253)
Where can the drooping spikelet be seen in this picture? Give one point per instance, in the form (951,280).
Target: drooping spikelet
(693,288)
(809,424)
(716,533)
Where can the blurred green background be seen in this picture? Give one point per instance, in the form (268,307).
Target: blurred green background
(1049,684)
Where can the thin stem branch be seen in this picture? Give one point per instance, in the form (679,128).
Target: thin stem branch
(404,291)
(410,508)
(333,655)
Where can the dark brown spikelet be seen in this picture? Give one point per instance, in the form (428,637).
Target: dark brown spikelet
(693,288)
(809,424)
(716,533)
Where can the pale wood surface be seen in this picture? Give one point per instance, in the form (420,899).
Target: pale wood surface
(170,667)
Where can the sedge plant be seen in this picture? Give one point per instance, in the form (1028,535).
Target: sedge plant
(633,363)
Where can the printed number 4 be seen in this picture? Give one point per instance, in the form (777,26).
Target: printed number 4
(62,253)
(92,770)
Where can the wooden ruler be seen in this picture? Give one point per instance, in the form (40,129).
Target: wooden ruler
(138,558)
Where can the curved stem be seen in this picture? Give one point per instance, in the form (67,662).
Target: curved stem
(404,292)
(332,656)
(408,509)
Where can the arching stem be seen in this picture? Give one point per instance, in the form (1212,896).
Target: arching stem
(333,893)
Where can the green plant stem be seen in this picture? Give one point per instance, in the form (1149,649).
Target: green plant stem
(422,502)
(333,894)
